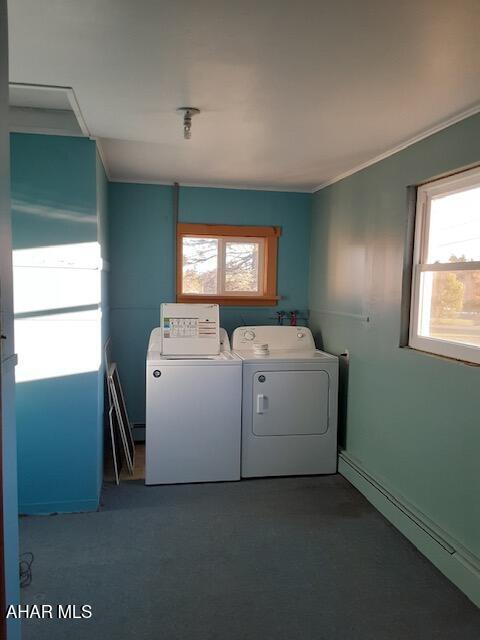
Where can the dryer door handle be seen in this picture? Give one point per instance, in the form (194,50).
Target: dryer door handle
(261,403)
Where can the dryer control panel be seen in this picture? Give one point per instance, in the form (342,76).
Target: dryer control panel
(277,337)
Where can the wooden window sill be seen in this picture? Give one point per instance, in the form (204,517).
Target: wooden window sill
(268,271)
(232,301)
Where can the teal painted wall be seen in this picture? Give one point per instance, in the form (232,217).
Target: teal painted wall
(290,211)
(102,217)
(58,198)
(53,190)
(141,254)
(7,386)
(141,276)
(412,419)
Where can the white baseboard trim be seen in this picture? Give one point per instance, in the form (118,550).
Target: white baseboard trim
(456,562)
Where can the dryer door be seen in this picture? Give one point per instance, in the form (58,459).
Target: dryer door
(290,403)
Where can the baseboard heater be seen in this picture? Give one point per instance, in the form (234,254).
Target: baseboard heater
(465,570)
(419,520)
(138,429)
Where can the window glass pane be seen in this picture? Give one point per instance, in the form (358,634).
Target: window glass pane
(450,306)
(242,266)
(199,267)
(454,234)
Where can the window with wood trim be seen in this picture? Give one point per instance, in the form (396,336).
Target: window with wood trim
(230,265)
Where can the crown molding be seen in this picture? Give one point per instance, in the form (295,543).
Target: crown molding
(102,157)
(463,115)
(73,101)
(203,185)
(72,98)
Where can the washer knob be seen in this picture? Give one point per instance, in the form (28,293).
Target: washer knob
(300,335)
(249,335)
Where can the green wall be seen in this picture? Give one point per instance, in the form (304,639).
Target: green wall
(59,197)
(102,234)
(413,419)
(141,259)
(141,237)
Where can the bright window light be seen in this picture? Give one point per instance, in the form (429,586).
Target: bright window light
(57,345)
(242,266)
(57,310)
(222,266)
(227,264)
(200,265)
(445,316)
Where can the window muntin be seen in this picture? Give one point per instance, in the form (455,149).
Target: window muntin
(230,265)
(445,309)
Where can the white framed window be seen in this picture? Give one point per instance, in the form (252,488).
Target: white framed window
(445,304)
(222,266)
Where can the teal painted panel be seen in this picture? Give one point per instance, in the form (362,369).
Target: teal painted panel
(130,331)
(142,271)
(53,190)
(60,427)
(412,419)
(57,441)
(102,221)
(141,245)
(141,278)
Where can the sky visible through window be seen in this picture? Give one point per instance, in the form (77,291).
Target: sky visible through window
(455,227)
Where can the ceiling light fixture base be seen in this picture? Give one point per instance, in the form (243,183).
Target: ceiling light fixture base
(188,113)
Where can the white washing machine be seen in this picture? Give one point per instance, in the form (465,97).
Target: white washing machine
(289,410)
(193,399)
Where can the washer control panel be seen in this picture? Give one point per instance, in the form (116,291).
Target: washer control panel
(190,329)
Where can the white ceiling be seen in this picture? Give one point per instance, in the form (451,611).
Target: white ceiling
(292,94)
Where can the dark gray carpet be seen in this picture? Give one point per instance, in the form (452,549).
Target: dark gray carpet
(271,559)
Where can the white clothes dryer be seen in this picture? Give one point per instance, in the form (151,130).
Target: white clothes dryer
(289,406)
